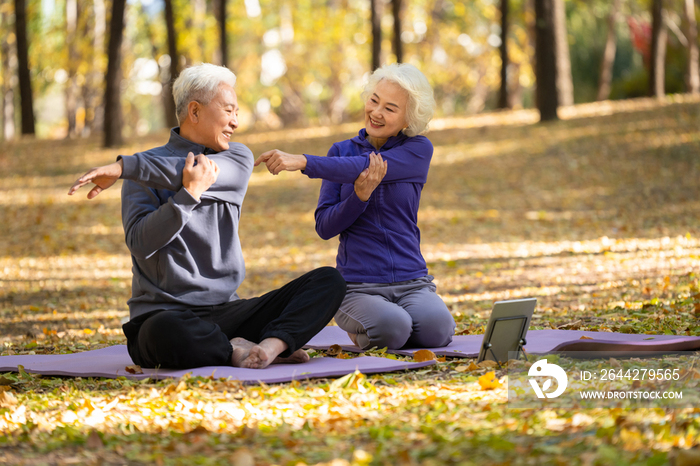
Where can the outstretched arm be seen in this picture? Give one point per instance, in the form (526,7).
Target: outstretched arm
(407,163)
(196,177)
(234,167)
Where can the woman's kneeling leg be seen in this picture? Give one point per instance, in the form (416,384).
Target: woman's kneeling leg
(433,325)
(376,321)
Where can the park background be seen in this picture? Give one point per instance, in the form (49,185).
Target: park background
(584,194)
(304,63)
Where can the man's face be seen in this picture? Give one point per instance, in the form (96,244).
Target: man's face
(218,119)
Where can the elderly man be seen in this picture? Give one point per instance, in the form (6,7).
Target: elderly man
(180,214)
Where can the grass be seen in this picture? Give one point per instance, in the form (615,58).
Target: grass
(597,215)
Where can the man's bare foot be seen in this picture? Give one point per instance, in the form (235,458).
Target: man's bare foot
(241,350)
(257,359)
(262,355)
(298,357)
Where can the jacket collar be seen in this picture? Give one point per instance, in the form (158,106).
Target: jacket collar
(180,146)
(361,139)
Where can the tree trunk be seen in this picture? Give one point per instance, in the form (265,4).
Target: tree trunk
(503,101)
(606,64)
(565,83)
(94,108)
(170,111)
(223,37)
(376,33)
(528,13)
(546,60)
(25,82)
(692,76)
(9,81)
(658,51)
(398,45)
(112,104)
(72,66)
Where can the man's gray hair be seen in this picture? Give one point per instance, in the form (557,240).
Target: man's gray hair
(421,103)
(200,83)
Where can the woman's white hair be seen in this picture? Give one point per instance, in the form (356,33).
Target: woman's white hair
(201,83)
(421,103)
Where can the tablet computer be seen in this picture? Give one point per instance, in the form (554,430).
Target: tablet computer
(506,328)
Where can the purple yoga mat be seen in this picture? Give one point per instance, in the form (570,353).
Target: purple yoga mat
(111,362)
(538,342)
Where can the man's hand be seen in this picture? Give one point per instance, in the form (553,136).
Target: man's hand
(369,179)
(198,178)
(102,177)
(278,161)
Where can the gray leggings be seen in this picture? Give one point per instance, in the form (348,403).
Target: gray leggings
(395,315)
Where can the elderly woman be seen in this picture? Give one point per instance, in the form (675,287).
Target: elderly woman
(373,205)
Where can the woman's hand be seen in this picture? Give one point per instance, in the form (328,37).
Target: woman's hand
(369,179)
(198,178)
(278,161)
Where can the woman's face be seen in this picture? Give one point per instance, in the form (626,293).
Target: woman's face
(385,110)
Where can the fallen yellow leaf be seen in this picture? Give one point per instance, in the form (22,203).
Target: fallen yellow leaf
(423,355)
(7,400)
(489,381)
(135,369)
(571,325)
(469,368)
(487,364)
(584,337)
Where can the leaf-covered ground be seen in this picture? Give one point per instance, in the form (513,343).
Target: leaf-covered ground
(598,216)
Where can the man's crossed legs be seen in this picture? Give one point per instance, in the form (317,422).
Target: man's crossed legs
(249,333)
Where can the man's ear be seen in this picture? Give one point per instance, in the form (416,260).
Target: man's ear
(193,109)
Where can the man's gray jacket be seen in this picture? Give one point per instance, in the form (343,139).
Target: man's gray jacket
(185,253)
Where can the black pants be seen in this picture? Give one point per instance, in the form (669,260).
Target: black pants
(200,336)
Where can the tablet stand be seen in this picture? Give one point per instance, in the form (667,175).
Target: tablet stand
(520,338)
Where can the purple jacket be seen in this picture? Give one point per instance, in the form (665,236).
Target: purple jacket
(379,239)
